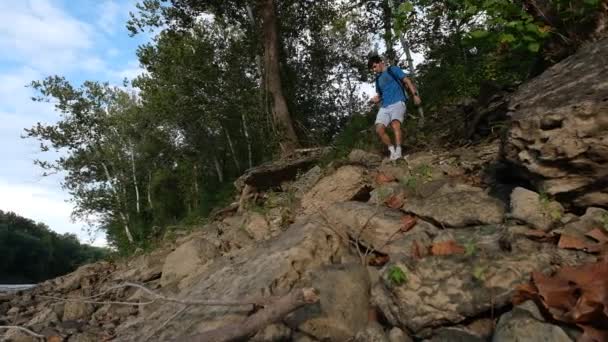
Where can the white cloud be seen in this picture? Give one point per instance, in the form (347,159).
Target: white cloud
(42,34)
(42,204)
(109,15)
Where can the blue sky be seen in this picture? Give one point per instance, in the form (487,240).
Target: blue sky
(81,40)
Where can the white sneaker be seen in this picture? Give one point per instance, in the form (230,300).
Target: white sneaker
(397,153)
(391,149)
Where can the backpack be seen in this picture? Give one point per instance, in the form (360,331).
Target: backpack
(390,72)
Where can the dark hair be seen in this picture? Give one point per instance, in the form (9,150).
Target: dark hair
(372,60)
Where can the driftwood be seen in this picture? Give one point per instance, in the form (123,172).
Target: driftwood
(252,324)
(272,174)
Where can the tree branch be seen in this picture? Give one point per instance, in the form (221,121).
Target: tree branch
(252,324)
(28,331)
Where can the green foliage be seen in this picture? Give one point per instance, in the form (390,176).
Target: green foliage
(32,253)
(470,248)
(479,273)
(396,275)
(357,134)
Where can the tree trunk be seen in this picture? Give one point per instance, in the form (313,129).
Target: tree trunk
(132,155)
(218,169)
(150,204)
(246,131)
(124,218)
(280,112)
(232,151)
(387,23)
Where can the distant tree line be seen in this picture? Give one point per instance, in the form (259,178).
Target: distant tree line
(31,253)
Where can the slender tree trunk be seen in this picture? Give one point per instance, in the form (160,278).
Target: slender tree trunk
(232,151)
(123,216)
(387,23)
(195,176)
(218,169)
(246,132)
(280,112)
(137,206)
(150,190)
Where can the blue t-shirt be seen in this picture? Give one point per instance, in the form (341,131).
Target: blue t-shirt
(392,92)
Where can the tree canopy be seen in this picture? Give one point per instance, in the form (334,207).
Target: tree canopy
(32,253)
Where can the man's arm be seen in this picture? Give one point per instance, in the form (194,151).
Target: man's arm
(412,89)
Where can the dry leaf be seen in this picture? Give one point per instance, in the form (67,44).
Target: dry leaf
(598,234)
(446,248)
(571,242)
(575,295)
(394,201)
(54,338)
(524,292)
(381,178)
(417,251)
(408,222)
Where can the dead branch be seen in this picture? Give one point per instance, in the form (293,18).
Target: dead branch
(28,331)
(252,324)
(157,296)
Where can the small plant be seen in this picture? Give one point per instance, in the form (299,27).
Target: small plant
(553,211)
(470,248)
(396,275)
(479,273)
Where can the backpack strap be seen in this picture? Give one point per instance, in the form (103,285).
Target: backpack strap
(390,72)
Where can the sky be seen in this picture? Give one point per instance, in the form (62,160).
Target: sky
(81,40)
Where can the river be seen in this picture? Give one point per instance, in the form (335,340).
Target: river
(12,288)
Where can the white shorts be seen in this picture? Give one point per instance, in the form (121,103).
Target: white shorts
(395,111)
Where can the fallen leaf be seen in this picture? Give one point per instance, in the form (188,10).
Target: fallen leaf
(417,251)
(446,248)
(382,178)
(54,338)
(524,292)
(571,242)
(394,201)
(574,295)
(598,234)
(408,222)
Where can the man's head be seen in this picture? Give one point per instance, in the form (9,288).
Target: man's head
(375,63)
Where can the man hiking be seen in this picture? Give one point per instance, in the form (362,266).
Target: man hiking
(390,93)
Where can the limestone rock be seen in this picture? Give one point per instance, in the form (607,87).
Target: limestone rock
(364,158)
(448,289)
(256,226)
(397,335)
(559,136)
(524,323)
(380,227)
(273,333)
(187,259)
(344,304)
(305,182)
(274,268)
(74,311)
(343,185)
(457,205)
(373,332)
(529,207)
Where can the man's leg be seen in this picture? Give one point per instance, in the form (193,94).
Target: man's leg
(382,121)
(396,125)
(380,129)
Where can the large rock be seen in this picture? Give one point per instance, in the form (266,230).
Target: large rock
(379,227)
(447,290)
(559,136)
(277,266)
(457,205)
(343,185)
(529,207)
(187,259)
(344,304)
(525,323)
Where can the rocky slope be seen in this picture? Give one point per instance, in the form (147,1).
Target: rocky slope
(437,247)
